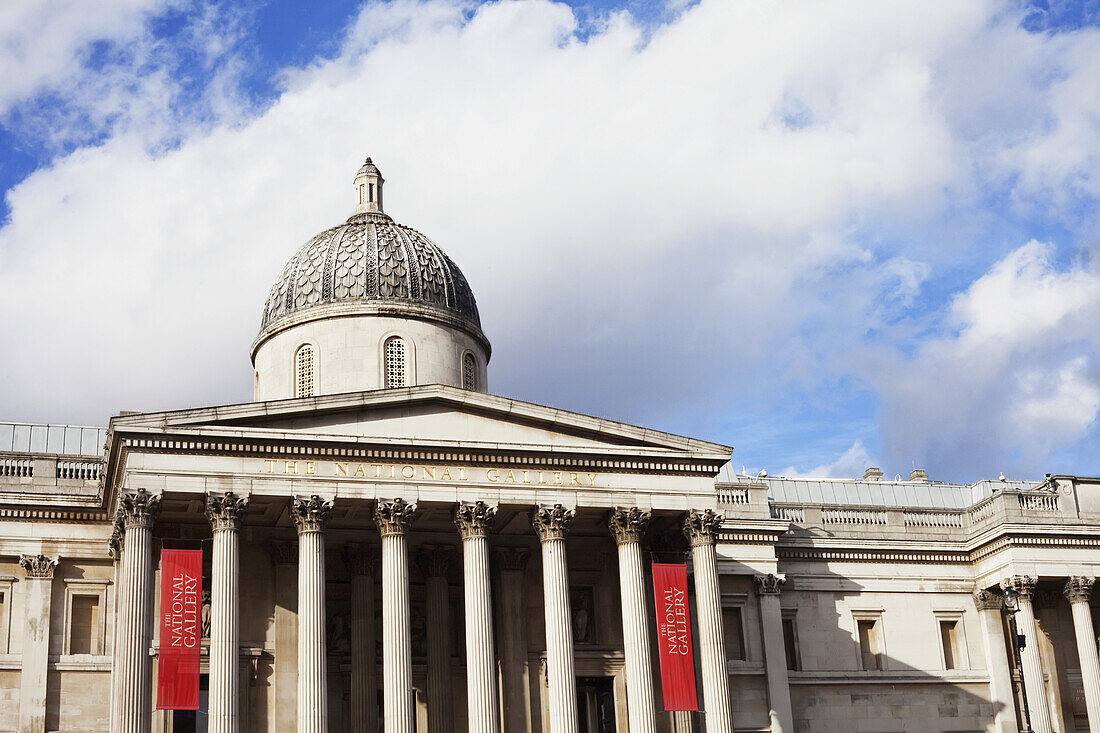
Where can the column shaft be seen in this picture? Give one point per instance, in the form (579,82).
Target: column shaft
(396,640)
(996,661)
(514,679)
(1034,684)
(1078,590)
(225,513)
(36,642)
(440,687)
(627,526)
(312,671)
(310,516)
(481,674)
(362,563)
(559,639)
(397,699)
(701,528)
(134,695)
(775,657)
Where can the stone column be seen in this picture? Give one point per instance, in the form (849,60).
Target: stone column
(989,607)
(362,563)
(515,682)
(225,513)
(114,550)
(701,529)
(775,656)
(627,527)
(474,521)
(310,516)
(36,642)
(1078,591)
(435,563)
(1034,684)
(393,518)
(284,555)
(134,702)
(552,524)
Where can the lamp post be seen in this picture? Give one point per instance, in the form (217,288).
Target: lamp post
(1010,604)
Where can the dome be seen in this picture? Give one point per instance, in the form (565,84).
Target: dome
(370,264)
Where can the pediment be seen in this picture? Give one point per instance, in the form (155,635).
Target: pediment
(433,415)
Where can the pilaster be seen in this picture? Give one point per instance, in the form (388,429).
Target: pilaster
(361,562)
(990,606)
(775,658)
(435,563)
(36,642)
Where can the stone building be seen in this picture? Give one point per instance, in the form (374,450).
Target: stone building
(389,546)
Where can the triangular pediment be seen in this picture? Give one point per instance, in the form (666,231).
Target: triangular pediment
(433,415)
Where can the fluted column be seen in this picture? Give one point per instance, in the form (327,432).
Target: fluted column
(362,564)
(225,513)
(474,522)
(989,605)
(310,517)
(435,563)
(627,527)
(701,529)
(514,678)
(139,510)
(1034,685)
(775,657)
(1078,591)
(552,524)
(36,642)
(393,518)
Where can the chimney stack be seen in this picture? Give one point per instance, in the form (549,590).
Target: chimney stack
(918,474)
(874,473)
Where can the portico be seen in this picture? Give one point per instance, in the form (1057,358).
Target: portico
(555,488)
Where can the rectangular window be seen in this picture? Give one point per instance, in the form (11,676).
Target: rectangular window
(870,643)
(733,628)
(790,644)
(949,638)
(84,625)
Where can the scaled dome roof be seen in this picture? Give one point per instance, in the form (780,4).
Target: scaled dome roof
(370,259)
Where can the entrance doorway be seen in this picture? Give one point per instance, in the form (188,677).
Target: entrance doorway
(193,721)
(596,705)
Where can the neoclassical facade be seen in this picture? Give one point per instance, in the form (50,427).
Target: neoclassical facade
(387,546)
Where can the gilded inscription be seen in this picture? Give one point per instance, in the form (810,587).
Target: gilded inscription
(411,472)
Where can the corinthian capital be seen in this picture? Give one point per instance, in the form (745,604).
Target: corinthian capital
(701,528)
(360,559)
(393,517)
(116,540)
(628,525)
(225,511)
(435,561)
(552,522)
(474,519)
(768,585)
(310,515)
(1078,589)
(987,600)
(38,566)
(511,559)
(139,508)
(1022,584)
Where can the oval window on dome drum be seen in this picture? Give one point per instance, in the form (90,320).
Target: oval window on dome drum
(305,372)
(469,372)
(395,362)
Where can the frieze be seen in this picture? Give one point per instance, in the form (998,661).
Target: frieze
(426,473)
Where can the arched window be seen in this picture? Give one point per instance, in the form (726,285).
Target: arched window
(305,376)
(469,372)
(395,362)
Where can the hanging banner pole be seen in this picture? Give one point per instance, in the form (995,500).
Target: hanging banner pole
(674,636)
(180,630)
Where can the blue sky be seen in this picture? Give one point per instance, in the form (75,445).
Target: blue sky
(827,234)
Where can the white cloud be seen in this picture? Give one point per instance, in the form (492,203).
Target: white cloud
(850,464)
(666,225)
(1015,380)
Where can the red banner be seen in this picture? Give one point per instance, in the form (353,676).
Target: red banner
(180,629)
(674,637)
